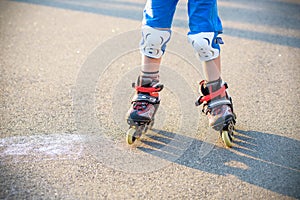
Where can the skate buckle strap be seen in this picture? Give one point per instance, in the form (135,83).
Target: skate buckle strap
(220,92)
(153,91)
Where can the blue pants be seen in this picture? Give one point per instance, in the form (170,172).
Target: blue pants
(203,15)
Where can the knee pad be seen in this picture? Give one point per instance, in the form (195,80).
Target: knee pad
(153,43)
(206,45)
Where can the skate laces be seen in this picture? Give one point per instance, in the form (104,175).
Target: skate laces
(220,110)
(217,111)
(140,105)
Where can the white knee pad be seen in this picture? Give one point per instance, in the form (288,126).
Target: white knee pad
(153,43)
(202,43)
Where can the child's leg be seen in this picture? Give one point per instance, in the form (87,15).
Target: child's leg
(157,21)
(205,26)
(212,69)
(156,33)
(203,18)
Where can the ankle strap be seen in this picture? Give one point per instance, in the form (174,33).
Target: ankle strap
(152,91)
(221,92)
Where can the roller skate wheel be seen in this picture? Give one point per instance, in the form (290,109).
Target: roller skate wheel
(230,130)
(130,135)
(227,138)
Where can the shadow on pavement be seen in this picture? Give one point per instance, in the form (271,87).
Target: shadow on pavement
(279,14)
(262,159)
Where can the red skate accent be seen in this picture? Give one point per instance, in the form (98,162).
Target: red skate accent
(151,90)
(139,105)
(148,110)
(221,92)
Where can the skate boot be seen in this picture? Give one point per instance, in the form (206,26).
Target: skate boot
(144,105)
(217,105)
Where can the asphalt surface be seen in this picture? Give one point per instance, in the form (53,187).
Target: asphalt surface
(66,69)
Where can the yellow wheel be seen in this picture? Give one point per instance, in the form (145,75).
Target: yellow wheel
(130,138)
(227,138)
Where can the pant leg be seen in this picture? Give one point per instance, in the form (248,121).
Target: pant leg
(203,16)
(159,13)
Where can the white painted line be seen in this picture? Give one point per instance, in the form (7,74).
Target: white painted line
(41,147)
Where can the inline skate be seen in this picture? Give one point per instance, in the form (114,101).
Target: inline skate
(217,105)
(144,105)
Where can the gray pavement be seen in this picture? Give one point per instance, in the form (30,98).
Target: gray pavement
(65,74)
